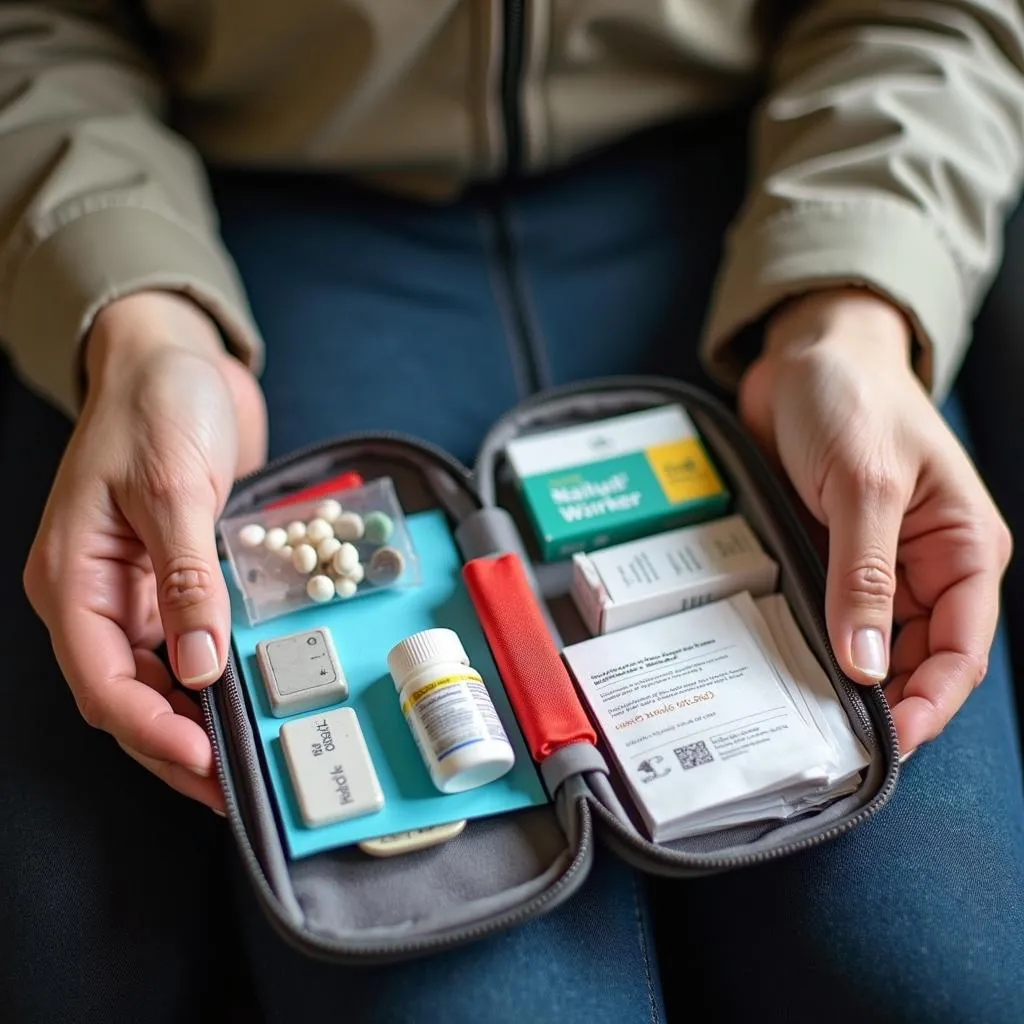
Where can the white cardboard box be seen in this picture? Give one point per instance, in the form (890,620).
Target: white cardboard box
(670,572)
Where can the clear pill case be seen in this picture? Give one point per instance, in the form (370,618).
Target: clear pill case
(342,546)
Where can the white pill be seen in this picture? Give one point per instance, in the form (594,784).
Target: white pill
(357,574)
(275,539)
(252,535)
(304,558)
(296,532)
(346,558)
(344,587)
(329,510)
(320,589)
(285,553)
(327,549)
(349,526)
(317,530)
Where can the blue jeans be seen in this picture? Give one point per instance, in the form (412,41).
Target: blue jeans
(125,901)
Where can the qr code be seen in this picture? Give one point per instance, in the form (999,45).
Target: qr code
(693,754)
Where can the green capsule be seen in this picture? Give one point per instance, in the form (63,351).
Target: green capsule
(377,528)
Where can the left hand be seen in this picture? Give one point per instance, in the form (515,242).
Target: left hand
(914,537)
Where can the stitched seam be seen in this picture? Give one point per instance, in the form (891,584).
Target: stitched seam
(504,300)
(652,1003)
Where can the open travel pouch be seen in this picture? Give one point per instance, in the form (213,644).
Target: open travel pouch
(502,870)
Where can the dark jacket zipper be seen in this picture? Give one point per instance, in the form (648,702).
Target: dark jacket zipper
(511,73)
(529,370)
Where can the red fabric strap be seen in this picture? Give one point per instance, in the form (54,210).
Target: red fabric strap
(537,683)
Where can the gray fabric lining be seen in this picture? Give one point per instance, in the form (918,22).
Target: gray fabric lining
(494,865)
(681,856)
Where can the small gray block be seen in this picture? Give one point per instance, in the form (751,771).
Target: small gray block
(301,672)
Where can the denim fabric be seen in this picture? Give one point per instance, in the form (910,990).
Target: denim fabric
(118,901)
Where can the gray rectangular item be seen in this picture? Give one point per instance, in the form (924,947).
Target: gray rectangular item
(301,672)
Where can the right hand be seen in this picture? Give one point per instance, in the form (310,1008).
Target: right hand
(125,556)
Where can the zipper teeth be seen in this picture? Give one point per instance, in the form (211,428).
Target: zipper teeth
(781,506)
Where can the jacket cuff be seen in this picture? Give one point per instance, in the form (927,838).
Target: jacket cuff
(885,246)
(102,255)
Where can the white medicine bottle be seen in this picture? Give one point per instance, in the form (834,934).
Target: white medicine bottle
(449,711)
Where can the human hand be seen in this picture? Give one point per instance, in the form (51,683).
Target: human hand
(126,554)
(913,534)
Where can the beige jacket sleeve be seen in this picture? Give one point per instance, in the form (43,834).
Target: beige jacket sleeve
(97,198)
(887,153)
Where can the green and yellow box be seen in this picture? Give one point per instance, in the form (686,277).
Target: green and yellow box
(615,480)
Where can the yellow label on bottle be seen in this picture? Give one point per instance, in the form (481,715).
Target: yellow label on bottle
(424,691)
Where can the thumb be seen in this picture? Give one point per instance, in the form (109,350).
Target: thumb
(864,512)
(177,527)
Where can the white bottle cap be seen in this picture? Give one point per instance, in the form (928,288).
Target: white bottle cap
(421,649)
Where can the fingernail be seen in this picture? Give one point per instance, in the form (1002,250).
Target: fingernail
(904,758)
(200,770)
(867,652)
(197,658)
(219,812)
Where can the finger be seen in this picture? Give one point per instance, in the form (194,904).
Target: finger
(909,651)
(864,514)
(905,605)
(894,690)
(152,671)
(97,661)
(206,791)
(962,626)
(910,648)
(176,523)
(183,704)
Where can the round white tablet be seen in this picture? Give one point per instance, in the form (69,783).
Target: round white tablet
(251,535)
(296,532)
(304,558)
(349,526)
(327,549)
(346,558)
(320,589)
(275,539)
(317,530)
(344,587)
(329,510)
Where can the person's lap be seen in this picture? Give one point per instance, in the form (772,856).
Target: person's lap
(380,314)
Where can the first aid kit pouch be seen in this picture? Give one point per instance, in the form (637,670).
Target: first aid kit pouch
(529,838)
